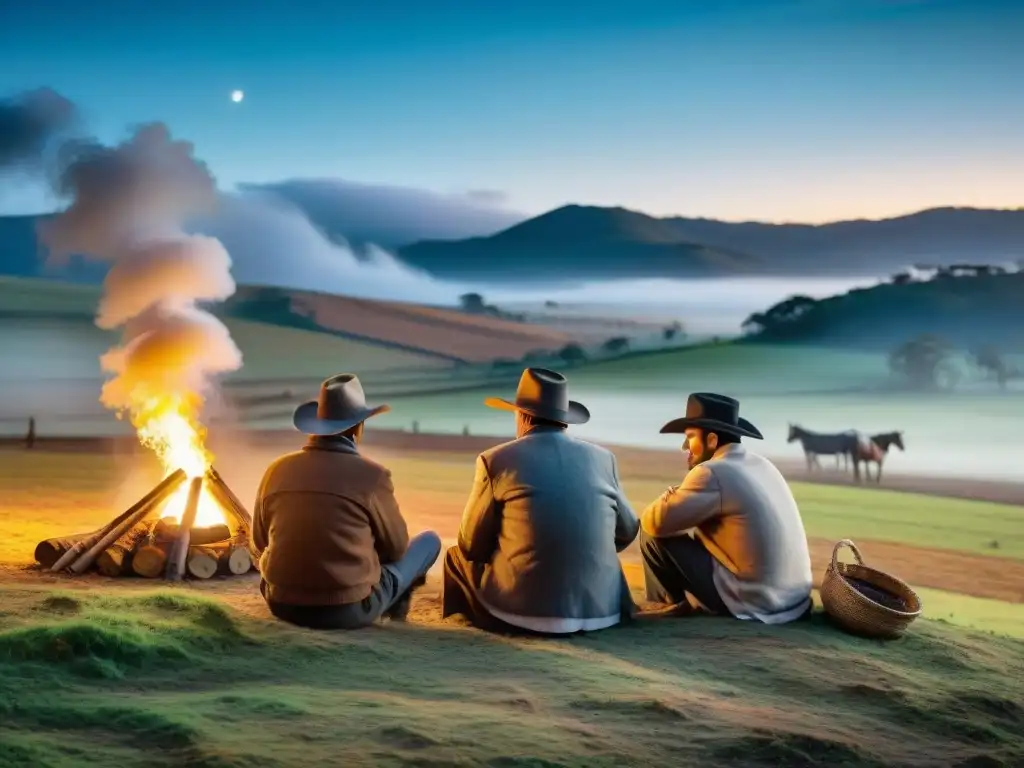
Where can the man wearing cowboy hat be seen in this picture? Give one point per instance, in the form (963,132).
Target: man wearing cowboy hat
(545,519)
(333,546)
(729,539)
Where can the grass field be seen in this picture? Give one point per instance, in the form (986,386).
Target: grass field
(94,672)
(168,678)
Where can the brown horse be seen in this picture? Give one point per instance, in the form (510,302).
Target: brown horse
(874,451)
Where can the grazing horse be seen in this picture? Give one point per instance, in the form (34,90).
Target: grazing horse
(875,451)
(816,444)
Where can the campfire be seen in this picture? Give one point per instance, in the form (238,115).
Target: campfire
(190,523)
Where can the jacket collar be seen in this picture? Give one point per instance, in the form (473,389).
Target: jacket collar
(732,449)
(542,429)
(334,443)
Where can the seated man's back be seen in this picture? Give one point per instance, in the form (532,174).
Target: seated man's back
(759,535)
(556,553)
(333,547)
(327,526)
(543,525)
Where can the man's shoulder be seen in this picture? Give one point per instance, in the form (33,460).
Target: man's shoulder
(324,468)
(511,450)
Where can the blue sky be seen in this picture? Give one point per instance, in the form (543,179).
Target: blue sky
(799,110)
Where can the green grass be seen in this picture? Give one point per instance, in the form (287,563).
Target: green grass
(909,518)
(170,679)
(994,616)
(733,367)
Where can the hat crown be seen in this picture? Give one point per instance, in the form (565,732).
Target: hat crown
(541,386)
(341,397)
(706,405)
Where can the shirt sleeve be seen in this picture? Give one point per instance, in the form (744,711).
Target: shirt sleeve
(680,509)
(390,533)
(478,532)
(627,524)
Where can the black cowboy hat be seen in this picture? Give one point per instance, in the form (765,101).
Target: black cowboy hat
(340,406)
(544,394)
(715,413)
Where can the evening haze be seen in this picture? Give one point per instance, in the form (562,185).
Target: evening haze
(783,111)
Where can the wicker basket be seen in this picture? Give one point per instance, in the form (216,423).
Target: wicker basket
(855,611)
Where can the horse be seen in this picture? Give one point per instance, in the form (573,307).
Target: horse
(875,451)
(816,444)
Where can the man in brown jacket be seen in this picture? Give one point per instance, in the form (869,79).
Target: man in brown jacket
(333,547)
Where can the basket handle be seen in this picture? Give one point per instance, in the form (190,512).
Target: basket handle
(852,547)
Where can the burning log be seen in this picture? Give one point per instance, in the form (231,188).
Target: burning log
(229,502)
(115,559)
(179,549)
(167,529)
(165,546)
(91,547)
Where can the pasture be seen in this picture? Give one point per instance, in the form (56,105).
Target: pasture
(94,672)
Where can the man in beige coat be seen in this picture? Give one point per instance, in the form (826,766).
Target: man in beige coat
(729,539)
(333,547)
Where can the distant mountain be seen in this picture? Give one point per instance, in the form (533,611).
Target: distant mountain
(591,242)
(579,243)
(390,216)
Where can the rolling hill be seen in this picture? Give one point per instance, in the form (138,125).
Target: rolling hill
(970,312)
(583,242)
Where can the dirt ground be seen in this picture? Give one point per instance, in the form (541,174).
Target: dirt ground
(81,499)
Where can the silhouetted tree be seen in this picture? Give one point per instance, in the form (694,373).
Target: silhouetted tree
(669,332)
(778,318)
(472,302)
(901,278)
(989,360)
(572,353)
(616,345)
(920,360)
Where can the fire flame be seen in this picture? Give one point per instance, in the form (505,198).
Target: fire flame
(167,425)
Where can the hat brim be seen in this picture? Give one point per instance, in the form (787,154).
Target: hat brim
(742,428)
(307,422)
(577,413)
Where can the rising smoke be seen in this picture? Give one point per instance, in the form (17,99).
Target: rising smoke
(127,206)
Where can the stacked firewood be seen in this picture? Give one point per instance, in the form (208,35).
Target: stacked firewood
(135,544)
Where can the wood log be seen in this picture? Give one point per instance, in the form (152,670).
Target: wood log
(229,502)
(132,516)
(49,551)
(149,561)
(202,562)
(115,560)
(236,559)
(167,529)
(179,549)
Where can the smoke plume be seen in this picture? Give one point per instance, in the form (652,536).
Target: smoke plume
(30,123)
(128,204)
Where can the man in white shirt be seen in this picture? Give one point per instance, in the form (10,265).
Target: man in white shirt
(729,539)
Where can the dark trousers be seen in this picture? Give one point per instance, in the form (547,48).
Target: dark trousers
(389,597)
(460,596)
(677,565)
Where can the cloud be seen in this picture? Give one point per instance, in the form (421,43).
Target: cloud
(272,242)
(393,216)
